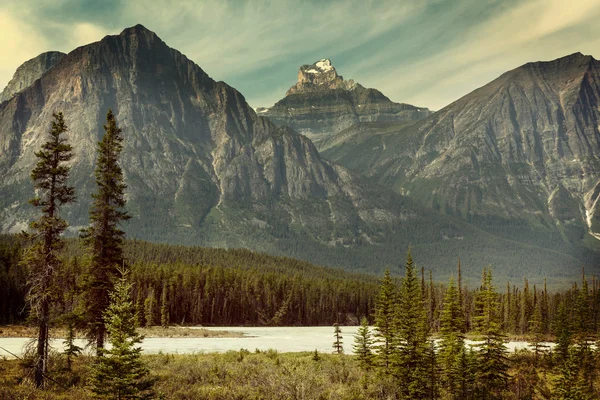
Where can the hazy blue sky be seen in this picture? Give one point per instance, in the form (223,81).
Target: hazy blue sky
(424,52)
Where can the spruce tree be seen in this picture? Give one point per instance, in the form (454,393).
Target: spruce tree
(119,373)
(149,309)
(492,364)
(104,237)
(363,345)
(452,343)
(338,342)
(71,349)
(536,329)
(385,310)
(412,359)
(42,259)
(164,307)
(563,334)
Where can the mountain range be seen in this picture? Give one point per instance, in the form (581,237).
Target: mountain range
(519,155)
(203,168)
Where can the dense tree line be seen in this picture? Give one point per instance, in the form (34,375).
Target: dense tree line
(244,287)
(408,364)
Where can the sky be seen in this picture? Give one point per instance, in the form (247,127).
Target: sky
(422,52)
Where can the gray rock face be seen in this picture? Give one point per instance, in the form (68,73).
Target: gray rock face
(30,71)
(524,147)
(202,168)
(322,103)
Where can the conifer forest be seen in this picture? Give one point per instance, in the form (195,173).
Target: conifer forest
(299,200)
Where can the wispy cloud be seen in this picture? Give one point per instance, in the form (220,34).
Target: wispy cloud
(423,52)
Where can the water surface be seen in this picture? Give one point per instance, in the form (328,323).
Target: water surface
(282,339)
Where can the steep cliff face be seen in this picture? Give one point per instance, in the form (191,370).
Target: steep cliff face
(322,103)
(180,125)
(202,168)
(29,71)
(526,146)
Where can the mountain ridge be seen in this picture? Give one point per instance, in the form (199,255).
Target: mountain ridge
(322,104)
(525,146)
(202,168)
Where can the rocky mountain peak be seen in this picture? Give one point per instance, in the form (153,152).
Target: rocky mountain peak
(318,76)
(29,72)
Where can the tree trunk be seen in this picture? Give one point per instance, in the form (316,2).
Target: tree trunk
(42,346)
(100,340)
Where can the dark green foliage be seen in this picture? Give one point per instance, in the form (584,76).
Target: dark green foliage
(42,259)
(316,357)
(411,341)
(363,345)
(71,349)
(120,373)
(149,309)
(104,238)
(452,344)
(164,307)
(536,329)
(492,363)
(338,346)
(563,333)
(385,313)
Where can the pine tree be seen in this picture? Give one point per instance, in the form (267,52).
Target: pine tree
(316,357)
(363,344)
(338,342)
(452,343)
(492,377)
(71,349)
(119,373)
(42,260)
(536,329)
(104,237)
(562,331)
(164,307)
(149,309)
(385,310)
(411,361)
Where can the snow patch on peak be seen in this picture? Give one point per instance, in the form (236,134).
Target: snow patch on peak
(324,65)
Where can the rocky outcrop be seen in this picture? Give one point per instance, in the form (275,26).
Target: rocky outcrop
(524,147)
(29,72)
(322,103)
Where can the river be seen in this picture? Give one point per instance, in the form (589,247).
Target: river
(282,339)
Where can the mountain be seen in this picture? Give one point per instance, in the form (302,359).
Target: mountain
(203,169)
(29,72)
(519,156)
(322,103)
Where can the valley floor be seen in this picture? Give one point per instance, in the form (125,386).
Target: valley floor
(254,375)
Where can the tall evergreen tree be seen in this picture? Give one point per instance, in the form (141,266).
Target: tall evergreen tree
(412,360)
(120,373)
(164,307)
(42,260)
(452,343)
(492,364)
(338,342)
(563,334)
(385,310)
(536,329)
(104,237)
(363,345)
